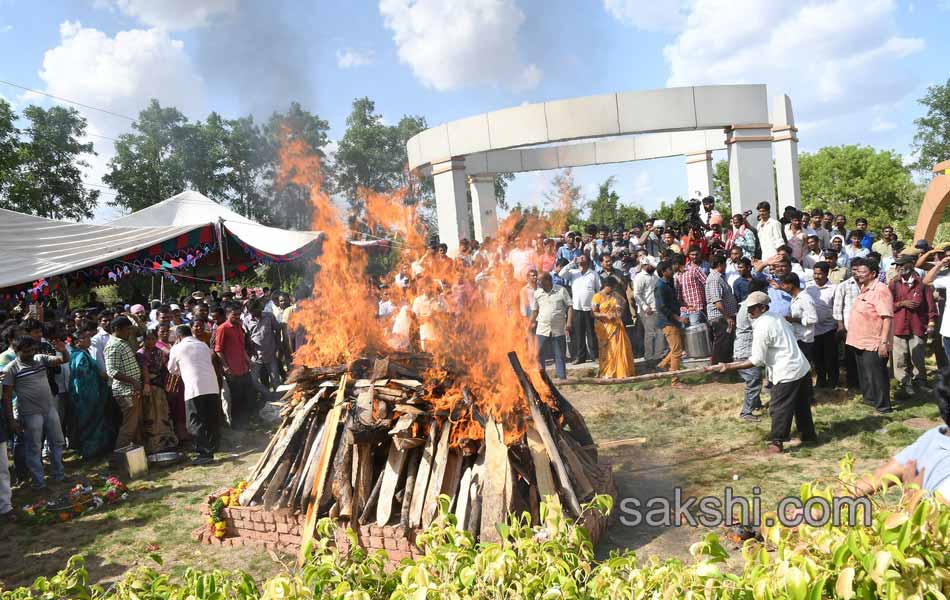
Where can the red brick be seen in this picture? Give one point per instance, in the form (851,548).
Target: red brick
(374,541)
(403,544)
(294,529)
(286,538)
(269,536)
(397,555)
(270,545)
(283,528)
(389,543)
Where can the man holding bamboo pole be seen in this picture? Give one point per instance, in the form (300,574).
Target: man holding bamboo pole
(774,347)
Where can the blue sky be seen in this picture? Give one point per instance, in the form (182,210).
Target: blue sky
(853,68)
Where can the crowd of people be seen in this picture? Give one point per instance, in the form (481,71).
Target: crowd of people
(863,308)
(164,375)
(789,303)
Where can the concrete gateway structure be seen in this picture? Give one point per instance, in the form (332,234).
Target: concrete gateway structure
(464,155)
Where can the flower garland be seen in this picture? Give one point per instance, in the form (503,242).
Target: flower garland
(217,518)
(80,499)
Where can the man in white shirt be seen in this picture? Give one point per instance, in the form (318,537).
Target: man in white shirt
(825,350)
(584,283)
(97,344)
(939,277)
(193,360)
(644,294)
(845,295)
(426,308)
(774,347)
(550,316)
(801,314)
(708,211)
(770,231)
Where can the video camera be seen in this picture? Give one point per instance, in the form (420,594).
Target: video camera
(692,214)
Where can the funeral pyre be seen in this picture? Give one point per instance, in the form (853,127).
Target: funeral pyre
(374,432)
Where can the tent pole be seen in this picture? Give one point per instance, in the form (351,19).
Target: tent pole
(224,275)
(161,292)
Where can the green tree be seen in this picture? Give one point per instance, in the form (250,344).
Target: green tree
(247,157)
(628,214)
(603,208)
(501,188)
(48,174)
(932,139)
(147,167)
(371,154)
(675,212)
(858,181)
(9,146)
(200,150)
(721,183)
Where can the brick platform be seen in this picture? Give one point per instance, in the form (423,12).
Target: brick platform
(280,530)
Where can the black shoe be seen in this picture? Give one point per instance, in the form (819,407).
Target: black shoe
(884,411)
(202,459)
(751,418)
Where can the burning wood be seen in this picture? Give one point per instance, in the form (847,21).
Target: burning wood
(373,441)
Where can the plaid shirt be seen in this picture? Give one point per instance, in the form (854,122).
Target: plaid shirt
(120,359)
(845,295)
(717,290)
(693,288)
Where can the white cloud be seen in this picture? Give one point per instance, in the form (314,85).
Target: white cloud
(119,74)
(450,44)
(879,124)
(831,57)
(173,15)
(648,15)
(349,58)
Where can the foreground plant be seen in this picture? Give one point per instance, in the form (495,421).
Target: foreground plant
(904,553)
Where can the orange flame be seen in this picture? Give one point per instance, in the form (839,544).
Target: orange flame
(480,321)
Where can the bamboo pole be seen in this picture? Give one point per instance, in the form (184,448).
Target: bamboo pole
(653,376)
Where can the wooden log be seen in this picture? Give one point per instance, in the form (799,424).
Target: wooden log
(310,472)
(297,470)
(462,497)
(391,473)
(437,476)
(582,485)
(497,482)
(453,473)
(265,456)
(543,479)
(422,478)
(473,524)
(370,509)
(300,417)
(574,420)
(323,464)
(272,494)
(342,484)
(413,459)
(654,376)
(541,424)
(362,476)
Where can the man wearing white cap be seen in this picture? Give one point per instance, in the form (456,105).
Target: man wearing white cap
(774,347)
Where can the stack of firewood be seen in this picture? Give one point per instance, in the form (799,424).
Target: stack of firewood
(373,442)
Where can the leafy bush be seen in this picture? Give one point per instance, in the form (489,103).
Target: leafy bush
(904,553)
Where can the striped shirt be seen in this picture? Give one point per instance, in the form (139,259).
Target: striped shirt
(718,290)
(845,295)
(693,288)
(30,383)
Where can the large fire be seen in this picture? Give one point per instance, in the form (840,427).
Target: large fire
(481,321)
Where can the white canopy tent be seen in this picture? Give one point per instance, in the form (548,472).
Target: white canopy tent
(193,208)
(34,248)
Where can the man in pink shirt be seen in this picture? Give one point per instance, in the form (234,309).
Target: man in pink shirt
(869,333)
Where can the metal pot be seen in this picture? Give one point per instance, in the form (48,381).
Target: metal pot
(698,341)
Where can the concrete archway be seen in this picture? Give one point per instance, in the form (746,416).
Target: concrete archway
(936,201)
(625,126)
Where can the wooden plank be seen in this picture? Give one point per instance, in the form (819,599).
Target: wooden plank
(453,473)
(306,482)
(362,476)
(422,478)
(543,479)
(300,417)
(497,481)
(541,424)
(462,498)
(473,523)
(582,484)
(322,467)
(391,472)
(265,456)
(437,476)
(413,460)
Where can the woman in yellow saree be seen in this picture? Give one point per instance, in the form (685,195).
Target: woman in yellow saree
(613,346)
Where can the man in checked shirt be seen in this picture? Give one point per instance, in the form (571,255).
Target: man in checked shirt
(693,287)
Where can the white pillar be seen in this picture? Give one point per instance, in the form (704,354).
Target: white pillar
(785,147)
(484,205)
(699,174)
(451,201)
(750,167)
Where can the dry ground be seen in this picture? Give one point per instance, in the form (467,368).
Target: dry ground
(693,440)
